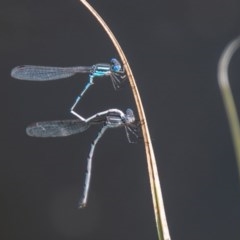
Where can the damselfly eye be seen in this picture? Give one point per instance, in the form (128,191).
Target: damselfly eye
(130,115)
(116,66)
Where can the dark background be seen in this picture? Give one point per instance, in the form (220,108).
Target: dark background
(173,48)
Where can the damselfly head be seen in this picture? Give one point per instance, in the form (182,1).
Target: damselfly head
(130,118)
(115,65)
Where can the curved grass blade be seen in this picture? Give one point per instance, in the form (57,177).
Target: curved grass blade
(160,216)
(230,106)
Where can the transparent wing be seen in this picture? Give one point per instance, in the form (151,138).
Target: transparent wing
(57,128)
(41,73)
(133,133)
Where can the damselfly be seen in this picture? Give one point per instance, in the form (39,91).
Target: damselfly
(112,118)
(43,73)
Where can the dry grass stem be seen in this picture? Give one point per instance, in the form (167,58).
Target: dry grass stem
(160,216)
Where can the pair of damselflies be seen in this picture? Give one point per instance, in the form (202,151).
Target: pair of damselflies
(112,118)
